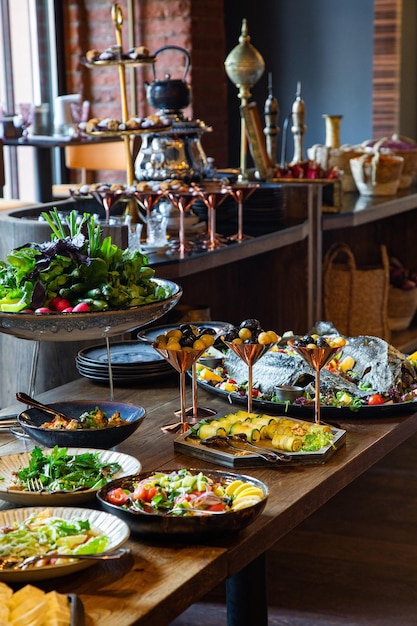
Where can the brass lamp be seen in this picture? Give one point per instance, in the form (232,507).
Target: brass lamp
(244,66)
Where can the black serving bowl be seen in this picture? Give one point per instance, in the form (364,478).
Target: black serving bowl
(31,421)
(190,526)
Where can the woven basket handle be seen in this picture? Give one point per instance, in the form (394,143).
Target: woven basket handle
(339,250)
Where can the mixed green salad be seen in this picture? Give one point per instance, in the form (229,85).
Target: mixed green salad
(43,533)
(76,271)
(60,471)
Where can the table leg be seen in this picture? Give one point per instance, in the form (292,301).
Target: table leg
(314,254)
(43,179)
(246,595)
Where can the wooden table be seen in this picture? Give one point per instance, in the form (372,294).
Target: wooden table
(164,577)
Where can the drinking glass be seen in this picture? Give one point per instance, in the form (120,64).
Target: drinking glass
(24,117)
(156,230)
(316,357)
(240,193)
(108,198)
(183,201)
(182,361)
(250,353)
(212,196)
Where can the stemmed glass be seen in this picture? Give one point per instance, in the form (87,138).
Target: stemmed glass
(250,353)
(182,361)
(108,198)
(25,117)
(183,201)
(240,193)
(80,112)
(212,196)
(146,200)
(317,357)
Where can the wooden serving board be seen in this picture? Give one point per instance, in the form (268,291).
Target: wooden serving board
(185,444)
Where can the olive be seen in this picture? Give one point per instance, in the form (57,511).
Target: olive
(251,323)
(308,339)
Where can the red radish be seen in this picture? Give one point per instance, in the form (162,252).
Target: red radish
(81,307)
(43,309)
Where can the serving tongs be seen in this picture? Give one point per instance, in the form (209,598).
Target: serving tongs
(239,441)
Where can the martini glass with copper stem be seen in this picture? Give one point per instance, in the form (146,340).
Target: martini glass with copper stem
(240,193)
(183,201)
(108,198)
(212,196)
(316,357)
(250,353)
(182,361)
(147,200)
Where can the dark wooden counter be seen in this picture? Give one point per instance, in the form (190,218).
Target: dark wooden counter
(166,577)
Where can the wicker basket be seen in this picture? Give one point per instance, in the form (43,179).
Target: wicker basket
(402,305)
(355,300)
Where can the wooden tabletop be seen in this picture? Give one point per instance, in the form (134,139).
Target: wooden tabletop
(164,577)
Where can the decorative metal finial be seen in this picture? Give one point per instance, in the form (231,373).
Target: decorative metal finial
(271,111)
(244,66)
(298,127)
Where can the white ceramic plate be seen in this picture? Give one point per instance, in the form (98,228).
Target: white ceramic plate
(14,462)
(116,530)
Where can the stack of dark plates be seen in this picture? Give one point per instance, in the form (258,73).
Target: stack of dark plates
(131,362)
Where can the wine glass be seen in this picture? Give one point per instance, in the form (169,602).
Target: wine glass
(80,112)
(250,353)
(146,200)
(183,201)
(182,361)
(24,117)
(212,196)
(240,193)
(317,357)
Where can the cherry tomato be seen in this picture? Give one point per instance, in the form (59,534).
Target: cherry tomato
(376,398)
(117,496)
(255,393)
(144,494)
(216,507)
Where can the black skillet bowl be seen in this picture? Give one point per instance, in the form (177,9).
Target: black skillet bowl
(31,421)
(163,524)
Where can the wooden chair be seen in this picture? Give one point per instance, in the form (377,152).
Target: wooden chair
(90,159)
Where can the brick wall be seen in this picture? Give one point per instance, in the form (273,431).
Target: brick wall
(196,25)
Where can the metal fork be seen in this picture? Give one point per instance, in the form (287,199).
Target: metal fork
(34,484)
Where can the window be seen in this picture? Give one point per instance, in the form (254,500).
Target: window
(28,73)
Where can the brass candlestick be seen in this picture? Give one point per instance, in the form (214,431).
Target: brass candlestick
(244,66)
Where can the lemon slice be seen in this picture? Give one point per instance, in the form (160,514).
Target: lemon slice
(250,491)
(243,488)
(231,488)
(244,502)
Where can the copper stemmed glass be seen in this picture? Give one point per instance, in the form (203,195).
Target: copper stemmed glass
(146,200)
(212,195)
(182,361)
(250,353)
(240,193)
(317,357)
(108,198)
(183,201)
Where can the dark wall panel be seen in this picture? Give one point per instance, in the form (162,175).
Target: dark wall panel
(326,45)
